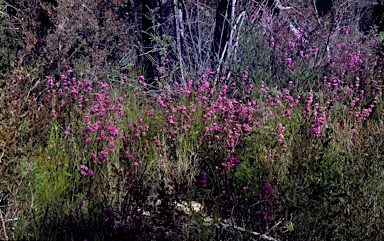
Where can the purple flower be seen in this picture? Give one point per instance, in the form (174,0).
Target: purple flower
(141,80)
(85,171)
(280,138)
(204,179)
(318,125)
(104,154)
(288,62)
(90,173)
(171,120)
(281,128)
(266,192)
(231,163)
(247,127)
(113,130)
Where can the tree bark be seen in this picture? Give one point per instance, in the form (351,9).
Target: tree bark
(167,22)
(147,25)
(222,28)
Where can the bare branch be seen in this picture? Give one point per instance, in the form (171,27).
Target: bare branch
(178,20)
(3,226)
(226,226)
(9,5)
(281,7)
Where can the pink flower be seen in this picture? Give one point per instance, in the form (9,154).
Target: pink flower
(111,143)
(85,171)
(160,102)
(272,42)
(299,33)
(308,102)
(280,138)
(291,45)
(183,108)
(288,62)
(245,76)
(90,173)
(113,130)
(171,120)
(15,102)
(230,143)
(263,88)
(287,113)
(53,113)
(104,154)
(318,125)
(281,128)
(250,87)
(230,163)
(66,132)
(136,164)
(140,79)
(268,20)
(247,128)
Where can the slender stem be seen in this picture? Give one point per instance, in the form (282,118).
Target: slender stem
(3,226)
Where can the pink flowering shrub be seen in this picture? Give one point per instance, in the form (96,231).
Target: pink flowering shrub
(285,139)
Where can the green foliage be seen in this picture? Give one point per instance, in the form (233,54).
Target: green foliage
(4,65)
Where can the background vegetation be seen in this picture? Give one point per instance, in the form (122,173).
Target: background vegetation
(278,138)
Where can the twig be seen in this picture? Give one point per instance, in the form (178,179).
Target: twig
(232,32)
(12,220)
(280,6)
(225,226)
(1,156)
(33,87)
(178,20)
(236,27)
(3,222)
(227,43)
(317,13)
(6,28)
(277,224)
(9,5)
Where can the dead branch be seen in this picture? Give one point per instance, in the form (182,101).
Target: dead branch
(226,226)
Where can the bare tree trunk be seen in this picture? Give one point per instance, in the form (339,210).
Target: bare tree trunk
(168,22)
(148,30)
(222,28)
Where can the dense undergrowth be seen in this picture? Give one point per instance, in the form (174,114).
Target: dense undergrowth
(287,144)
